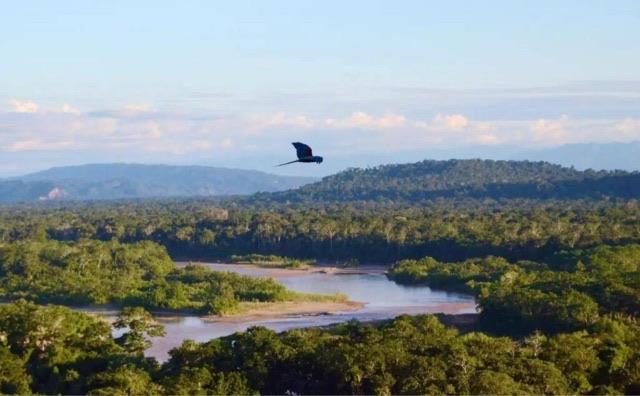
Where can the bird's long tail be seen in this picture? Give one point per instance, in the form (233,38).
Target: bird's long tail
(290,162)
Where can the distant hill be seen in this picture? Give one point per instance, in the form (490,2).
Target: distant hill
(427,180)
(597,156)
(115,181)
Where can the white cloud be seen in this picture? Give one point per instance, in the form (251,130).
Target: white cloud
(551,131)
(151,130)
(29,106)
(24,106)
(277,122)
(360,119)
(629,128)
(226,143)
(137,108)
(451,121)
(487,139)
(39,145)
(68,109)
(158,134)
(483,126)
(282,118)
(92,126)
(174,147)
(457,129)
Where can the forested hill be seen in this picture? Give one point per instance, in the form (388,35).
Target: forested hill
(114,181)
(427,180)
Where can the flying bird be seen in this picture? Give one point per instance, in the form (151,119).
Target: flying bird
(304,154)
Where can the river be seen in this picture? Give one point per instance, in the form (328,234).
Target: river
(383,299)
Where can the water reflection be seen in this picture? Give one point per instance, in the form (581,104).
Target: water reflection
(384,299)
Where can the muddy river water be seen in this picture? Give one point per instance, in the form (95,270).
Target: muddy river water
(382,298)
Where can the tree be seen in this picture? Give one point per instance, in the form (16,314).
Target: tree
(487,382)
(13,375)
(140,325)
(126,380)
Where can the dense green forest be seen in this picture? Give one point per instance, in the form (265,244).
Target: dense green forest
(421,182)
(551,254)
(140,274)
(207,230)
(570,291)
(55,350)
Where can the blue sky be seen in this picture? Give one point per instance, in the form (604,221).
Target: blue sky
(233,83)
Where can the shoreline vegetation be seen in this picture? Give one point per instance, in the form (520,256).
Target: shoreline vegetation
(571,291)
(70,352)
(288,303)
(448,230)
(139,274)
(551,254)
(276,310)
(314,306)
(272,261)
(329,268)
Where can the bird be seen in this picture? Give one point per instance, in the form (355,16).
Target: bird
(304,154)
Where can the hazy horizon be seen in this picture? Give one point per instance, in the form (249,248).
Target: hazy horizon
(566,155)
(362,82)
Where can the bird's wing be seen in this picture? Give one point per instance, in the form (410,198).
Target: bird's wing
(302,150)
(290,162)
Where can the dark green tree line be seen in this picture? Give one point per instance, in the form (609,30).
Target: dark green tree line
(570,291)
(139,274)
(206,230)
(55,350)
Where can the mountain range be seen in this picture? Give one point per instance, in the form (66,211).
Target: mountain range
(582,156)
(408,183)
(117,181)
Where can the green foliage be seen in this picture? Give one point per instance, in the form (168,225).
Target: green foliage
(446,230)
(465,276)
(558,275)
(569,293)
(55,350)
(13,374)
(410,356)
(88,272)
(488,382)
(124,380)
(272,261)
(140,327)
(54,347)
(139,274)
(201,381)
(418,182)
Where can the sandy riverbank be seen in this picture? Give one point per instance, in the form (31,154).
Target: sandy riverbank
(251,312)
(275,310)
(269,271)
